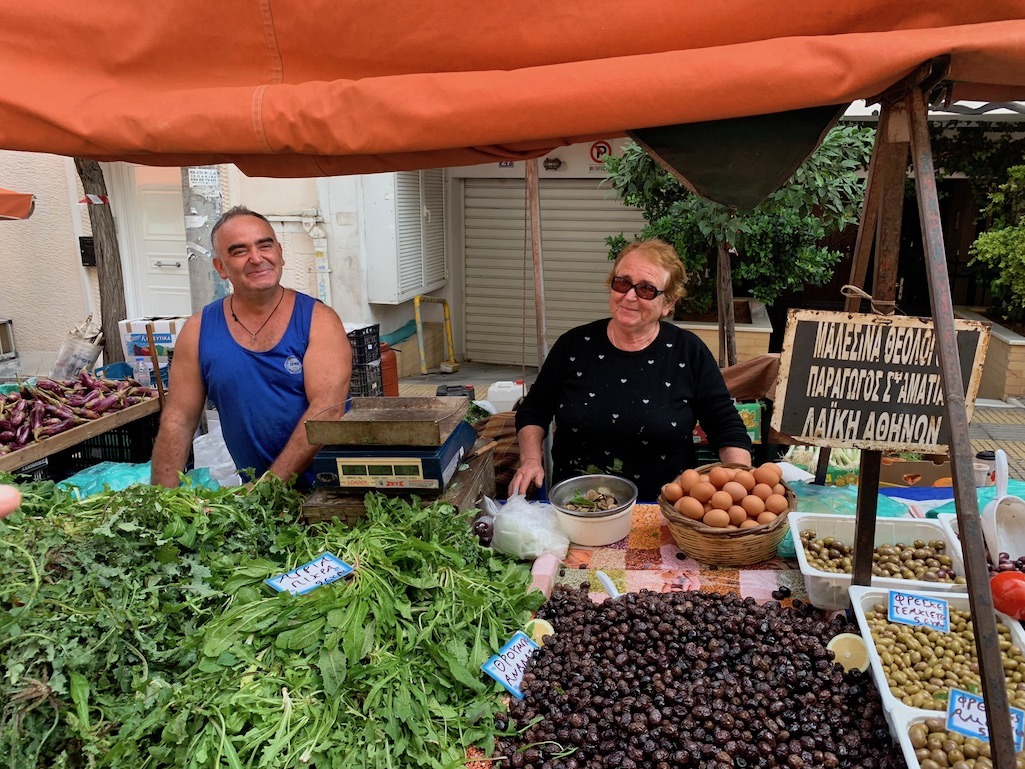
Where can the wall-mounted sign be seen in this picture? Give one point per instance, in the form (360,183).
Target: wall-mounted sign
(873,382)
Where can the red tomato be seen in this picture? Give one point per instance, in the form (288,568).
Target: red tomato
(1008,588)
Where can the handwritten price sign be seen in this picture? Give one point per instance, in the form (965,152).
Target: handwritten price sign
(321,571)
(911,609)
(507,667)
(966,714)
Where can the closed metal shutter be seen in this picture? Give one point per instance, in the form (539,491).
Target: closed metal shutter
(576,217)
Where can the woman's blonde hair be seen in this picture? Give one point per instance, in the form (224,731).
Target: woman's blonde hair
(659,253)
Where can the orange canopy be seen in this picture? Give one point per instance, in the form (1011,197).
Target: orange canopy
(15,205)
(325,87)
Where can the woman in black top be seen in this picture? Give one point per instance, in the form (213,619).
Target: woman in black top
(626,392)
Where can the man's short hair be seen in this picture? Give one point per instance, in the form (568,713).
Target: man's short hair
(231,213)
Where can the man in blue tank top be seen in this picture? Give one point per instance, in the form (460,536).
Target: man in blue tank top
(268,357)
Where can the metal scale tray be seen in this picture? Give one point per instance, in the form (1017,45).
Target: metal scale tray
(390,421)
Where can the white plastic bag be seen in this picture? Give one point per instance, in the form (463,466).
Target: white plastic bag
(209,451)
(527,529)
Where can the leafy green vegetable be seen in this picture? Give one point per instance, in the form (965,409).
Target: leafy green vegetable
(135,630)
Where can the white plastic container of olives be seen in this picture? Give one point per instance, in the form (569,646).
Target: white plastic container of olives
(899,715)
(828,590)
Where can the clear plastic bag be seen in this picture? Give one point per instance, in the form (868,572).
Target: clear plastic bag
(525,529)
(210,452)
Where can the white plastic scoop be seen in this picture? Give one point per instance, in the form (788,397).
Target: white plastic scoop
(1003,519)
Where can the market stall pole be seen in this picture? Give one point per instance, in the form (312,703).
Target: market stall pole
(903,126)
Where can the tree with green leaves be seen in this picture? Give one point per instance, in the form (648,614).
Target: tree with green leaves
(771,248)
(1000,251)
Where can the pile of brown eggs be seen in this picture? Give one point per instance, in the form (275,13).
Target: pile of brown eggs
(729,497)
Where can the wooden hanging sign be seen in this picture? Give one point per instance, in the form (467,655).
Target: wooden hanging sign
(850,380)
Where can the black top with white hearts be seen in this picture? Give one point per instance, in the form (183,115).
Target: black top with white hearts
(639,407)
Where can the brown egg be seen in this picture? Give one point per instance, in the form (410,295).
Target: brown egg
(718,519)
(745,479)
(735,490)
(672,491)
(731,527)
(721,500)
(737,515)
(688,478)
(776,503)
(772,466)
(767,475)
(690,507)
(762,490)
(766,517)
(754,506)
(719,476)
(702,492)
(780,489)
(750,523)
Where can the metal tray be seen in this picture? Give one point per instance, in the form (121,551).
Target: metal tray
(389,421)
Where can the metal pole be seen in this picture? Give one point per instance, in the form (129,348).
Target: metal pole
(534,203)
(991,670)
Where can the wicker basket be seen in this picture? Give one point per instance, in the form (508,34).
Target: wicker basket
(727,547)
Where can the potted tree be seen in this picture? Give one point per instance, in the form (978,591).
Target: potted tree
(999,252)
(769,249)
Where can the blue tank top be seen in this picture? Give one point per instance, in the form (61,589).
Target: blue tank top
(260,396)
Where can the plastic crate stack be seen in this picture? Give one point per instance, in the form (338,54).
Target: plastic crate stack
(367,379)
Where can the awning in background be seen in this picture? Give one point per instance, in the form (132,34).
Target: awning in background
(16,205)
(327,87)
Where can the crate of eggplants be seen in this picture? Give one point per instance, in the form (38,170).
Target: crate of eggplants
(49,407)
(690,679)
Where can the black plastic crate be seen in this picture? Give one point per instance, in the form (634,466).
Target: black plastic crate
(459,391)
(366,345)
(35,471)
(132,443)
(367,380)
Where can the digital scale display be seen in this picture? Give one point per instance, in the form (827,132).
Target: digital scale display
(393,467)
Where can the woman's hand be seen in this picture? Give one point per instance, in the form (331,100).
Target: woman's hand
(529,471)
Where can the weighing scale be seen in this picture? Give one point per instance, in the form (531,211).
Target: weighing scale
(394,467)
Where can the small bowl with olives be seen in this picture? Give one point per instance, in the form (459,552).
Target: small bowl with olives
(594,510)
(909,554)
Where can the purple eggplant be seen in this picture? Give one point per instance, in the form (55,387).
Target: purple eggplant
(21,436)
(60,427)
(105,404)
(7,436)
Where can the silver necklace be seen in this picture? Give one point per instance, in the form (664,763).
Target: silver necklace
(254,334)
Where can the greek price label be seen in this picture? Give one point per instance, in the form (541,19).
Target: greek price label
(507,667)
(320,571)
(966,714)
(911,609)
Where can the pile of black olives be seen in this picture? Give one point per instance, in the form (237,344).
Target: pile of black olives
(689,679)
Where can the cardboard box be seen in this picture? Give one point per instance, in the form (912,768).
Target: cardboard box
(927,472)
(750,415)
(165,332)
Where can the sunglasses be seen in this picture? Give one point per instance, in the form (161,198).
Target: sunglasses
(643,290)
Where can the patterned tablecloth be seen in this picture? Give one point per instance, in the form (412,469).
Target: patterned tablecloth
(648,559)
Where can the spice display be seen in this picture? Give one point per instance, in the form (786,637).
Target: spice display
(665,680)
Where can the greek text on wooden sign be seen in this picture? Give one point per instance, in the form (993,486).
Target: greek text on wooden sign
(850,380)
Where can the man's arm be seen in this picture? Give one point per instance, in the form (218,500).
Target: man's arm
(186,397)
(327,368)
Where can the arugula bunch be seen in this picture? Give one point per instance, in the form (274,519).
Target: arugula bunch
(135,630)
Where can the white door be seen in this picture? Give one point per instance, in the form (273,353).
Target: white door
(159,241)
(576,217)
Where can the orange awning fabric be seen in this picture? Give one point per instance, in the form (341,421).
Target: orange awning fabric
(16,205)
(331,87)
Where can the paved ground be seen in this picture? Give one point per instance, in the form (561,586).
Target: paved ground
(995,424)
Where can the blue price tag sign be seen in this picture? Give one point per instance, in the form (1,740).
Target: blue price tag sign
(913,609)
(320,571)
(966,714)
(507,667)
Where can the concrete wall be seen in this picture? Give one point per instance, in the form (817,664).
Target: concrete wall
(44,288)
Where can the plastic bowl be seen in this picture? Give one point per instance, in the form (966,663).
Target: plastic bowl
(599,528)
